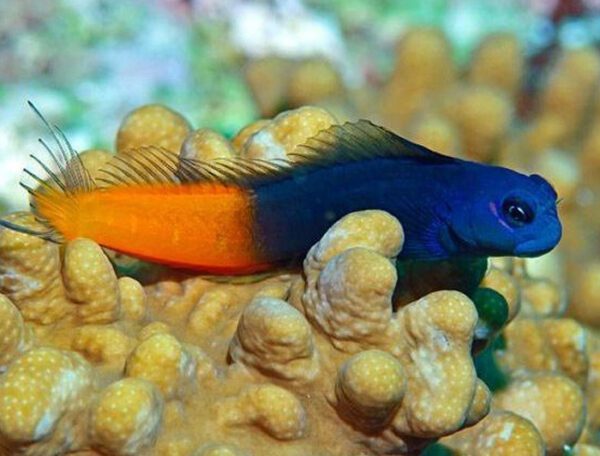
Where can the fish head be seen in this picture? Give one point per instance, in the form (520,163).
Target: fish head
(507,214)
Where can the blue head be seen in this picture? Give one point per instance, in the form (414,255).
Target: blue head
(504,213)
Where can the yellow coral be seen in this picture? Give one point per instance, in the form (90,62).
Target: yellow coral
(552,402)
(499,62)
(352,307)
(348,290)
(437,133)
(240,139)
(437,327)
(545,132)
(591,433)
(313,81)
(590,151)
(321,363)
(372,229)
(585,301)
(126,417)
(567,90)
(568,340)
(30,273)
(176,300)
(133,299)
(218,450)
(90,282)
(285,132)
(369,388)
(499,434)
(275,338)
(273,409)
(482,116)
(164,361)
(541,297)
(152,125)
(274,341)
(94,160)
(14,336)
(102,344)
(210,308)
(546,345)
(205,144)
(423,69)
(481,404)
(268,81)
(43,394)
(156,327)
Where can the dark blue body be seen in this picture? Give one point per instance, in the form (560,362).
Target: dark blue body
(447,207)
(292,214)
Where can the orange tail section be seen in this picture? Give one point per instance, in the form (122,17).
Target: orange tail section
(200,226)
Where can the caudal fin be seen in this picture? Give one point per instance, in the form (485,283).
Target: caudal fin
(52,188)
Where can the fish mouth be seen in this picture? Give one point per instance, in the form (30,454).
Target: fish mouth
(537,247)
(533,249)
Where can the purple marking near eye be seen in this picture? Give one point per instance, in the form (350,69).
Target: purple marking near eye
(494,210)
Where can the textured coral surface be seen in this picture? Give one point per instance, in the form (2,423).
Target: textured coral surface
(280,363)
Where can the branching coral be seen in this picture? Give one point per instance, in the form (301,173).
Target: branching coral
(15,337)
(80,285)
(553,403)
(551,344)
(30,274)
(273,409)
(164,361)
(276,82)
(279,138)
(389,381)
(90,282)
(424,68)
(205,144)
(152,125)
(126,417)
(43,396)
(500,433)
(498,62)
(275,338)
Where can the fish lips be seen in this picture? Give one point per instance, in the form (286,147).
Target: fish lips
(540,245)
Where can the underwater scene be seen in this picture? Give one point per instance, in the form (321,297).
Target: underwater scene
(299,227)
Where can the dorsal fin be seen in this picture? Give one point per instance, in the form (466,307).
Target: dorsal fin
(357,141)
(156,165)
(60,177)
(70,175)
(361,140)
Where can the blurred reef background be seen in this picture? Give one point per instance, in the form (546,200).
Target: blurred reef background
(488,358)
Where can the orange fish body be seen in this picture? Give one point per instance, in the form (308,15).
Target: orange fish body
(204,226)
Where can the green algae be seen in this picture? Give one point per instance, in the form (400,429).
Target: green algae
(492,309)
(437,449)
(417,278)
(488,369)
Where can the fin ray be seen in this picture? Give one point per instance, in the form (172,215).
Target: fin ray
(361,140)
(62,176)
(338,144)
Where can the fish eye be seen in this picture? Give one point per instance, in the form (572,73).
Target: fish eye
(517,212)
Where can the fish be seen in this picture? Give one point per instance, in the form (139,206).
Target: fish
(243,216)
